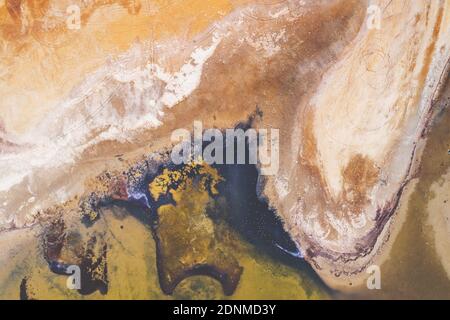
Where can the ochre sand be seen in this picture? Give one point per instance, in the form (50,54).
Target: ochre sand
(132,270)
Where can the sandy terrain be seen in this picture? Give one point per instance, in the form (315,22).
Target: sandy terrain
(352,104)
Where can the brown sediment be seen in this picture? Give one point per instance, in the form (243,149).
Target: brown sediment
(13,7)
(63,247)
(432,47)
(359,176)
(53,239)
(118,189)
